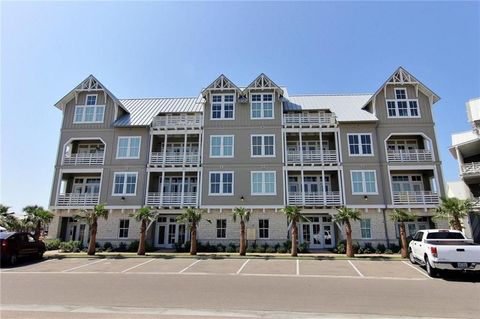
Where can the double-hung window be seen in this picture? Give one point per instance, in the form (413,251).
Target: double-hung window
(263,226)
(223,107)
(90,112)
(263,183)
(221,228)
(402,106)
(221,145)
(364,182)
(221,183)
(123,228)
(128,147)
(263,146)
(261,106)
(360,144)
(125,184)
(366,228)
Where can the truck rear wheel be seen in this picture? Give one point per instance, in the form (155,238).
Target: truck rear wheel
(411,257)
(432,272)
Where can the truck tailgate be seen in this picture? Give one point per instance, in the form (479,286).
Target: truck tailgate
(458,253)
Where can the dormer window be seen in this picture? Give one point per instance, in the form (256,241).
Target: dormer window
(261,106)
(402,106)
(90,112)
(223,107)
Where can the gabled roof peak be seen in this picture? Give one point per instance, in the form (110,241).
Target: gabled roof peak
(221,83)
(263,82)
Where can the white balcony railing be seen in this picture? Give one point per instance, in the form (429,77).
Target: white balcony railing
(190,158)
(301,119)
(312,157)
(172,199)
(410,156)
(84,159)
(177,121)
(314,199)
(412,198)
(72,199)
(471,168)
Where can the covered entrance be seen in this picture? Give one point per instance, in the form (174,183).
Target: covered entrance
(74,229)
(318,232)
(168,232)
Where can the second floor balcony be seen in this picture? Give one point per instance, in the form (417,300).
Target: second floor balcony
(172,199)
(471,169)
(317,156)
(415,198)
(309,119)
(175,158)
(412,155)
(314,199)
(76,199)
(409,148)
(180,121)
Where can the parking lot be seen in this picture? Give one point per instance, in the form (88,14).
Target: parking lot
(355,269)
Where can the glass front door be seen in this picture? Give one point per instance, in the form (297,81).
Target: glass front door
(169,232)
(318,232)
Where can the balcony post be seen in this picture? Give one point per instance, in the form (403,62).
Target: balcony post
(185,149)
(151,148)
(199,188)
(302,187)
(183,189)
(165,149)
(148,187)
(459,160)
(162,183)
(324,188)
(321,147)
(301,150)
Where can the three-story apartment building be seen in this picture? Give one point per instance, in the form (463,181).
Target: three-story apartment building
(255,147)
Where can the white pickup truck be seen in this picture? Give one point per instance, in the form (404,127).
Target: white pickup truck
(440,249)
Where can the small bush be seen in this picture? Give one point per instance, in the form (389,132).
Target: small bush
(287,245)
(231,248)
(250,249)
(108,246)
(72,246)
(52,244)
(303,248)
(133,247)
(367,250)
(359,251)
(270,250)
(380,248)
(221,248)
(122,247)
(281,250)
(341,249)
(388,251)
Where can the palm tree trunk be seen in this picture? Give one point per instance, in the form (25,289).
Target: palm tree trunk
(243,249)
(38,227)
(457,225)
(348,233)
(141,245)
(403,239)
(93,238)
(294,239)
(193,239)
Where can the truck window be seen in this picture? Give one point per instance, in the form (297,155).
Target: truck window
(418,236)
(445,235)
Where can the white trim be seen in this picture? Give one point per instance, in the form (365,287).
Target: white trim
(262,145)
(120,228)
(95,107)
(363,182)
(360,149)
(96,99)
(82,170)
(262,103)
(369,228)
(222,155)
(425,136)
(407,100)
(221,193)
(222,110)
(124,184)
(263,193)
(129,146)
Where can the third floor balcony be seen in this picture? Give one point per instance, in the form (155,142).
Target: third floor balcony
(471,169)
(175,150)
(409,148)
(311,148)
(309,119)
(84,152)
(179,121)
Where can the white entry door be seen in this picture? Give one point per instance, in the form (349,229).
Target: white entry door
(169,232)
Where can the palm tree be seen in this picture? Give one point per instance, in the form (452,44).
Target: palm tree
(192,217)
(92,216)
(294,216)
(454,210)
(6,218)
(244,216)
(344,216)
(401,216)
(143,215)
(39,217)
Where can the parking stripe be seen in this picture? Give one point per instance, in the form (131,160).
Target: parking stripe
(186,268)
(81,266)
(411,266)
(356,269)
(141,264)
(298,267)
(243,266)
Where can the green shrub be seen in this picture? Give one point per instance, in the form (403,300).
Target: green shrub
(133,246)
(270,250)
(108,246)
(303,248)
(359,251)
(380,248)
(121,247)
(221,248)
(52,244)
(341,249)
(281,250)
(388,251)
(287,245)
(250,249)
(231,248)
(72,246)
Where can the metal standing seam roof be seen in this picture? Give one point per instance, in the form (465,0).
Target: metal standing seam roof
(142,111)
(347,107)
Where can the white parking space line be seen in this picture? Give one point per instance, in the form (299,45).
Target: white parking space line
(411,266)
(356,269)
(243,266)
(81,266)
(188,267)
(298,267)
(141,264)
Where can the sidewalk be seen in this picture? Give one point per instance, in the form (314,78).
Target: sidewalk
(169,255)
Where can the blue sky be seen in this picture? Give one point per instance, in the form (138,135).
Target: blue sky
(152,49)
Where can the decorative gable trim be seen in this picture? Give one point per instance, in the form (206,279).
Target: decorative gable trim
(222,83)
(263,82)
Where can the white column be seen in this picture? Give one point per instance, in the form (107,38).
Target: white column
(285,187)
(324,189)
(342,187)
(183,188)
(185,148)
(200,147)
(151,148)
(302,186)
(165,149)
(459,160)
(162,183)
(321,146)
(338,146)
(199,188)
(147,188)
(301,149)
